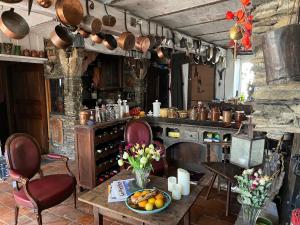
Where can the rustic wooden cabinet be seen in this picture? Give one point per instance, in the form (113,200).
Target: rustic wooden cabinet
(96,150)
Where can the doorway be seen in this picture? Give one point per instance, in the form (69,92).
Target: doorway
(23,107)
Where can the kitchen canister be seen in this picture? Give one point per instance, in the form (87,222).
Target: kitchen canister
(156,108)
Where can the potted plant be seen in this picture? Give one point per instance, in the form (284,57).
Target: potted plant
(254,190)
(140,158)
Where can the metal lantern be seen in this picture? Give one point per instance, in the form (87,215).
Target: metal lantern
(247,151)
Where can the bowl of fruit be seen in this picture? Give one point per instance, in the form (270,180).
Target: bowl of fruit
(148,201)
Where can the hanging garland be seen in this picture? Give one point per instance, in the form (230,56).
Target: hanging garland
(240,33)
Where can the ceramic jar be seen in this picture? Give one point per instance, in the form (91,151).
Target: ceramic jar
(84,117)
(215,114)
(203,114)
(172,113)
(227,115)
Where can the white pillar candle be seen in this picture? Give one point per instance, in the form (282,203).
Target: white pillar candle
(176,192)
(183,177)
(171,182)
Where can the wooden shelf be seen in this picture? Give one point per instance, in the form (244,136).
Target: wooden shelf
(24,59)
(106,153)
(108,137)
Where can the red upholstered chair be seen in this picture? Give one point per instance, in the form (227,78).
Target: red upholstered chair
(24,160)
(139,131)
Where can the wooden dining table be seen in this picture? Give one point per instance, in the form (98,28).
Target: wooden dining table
(176,212)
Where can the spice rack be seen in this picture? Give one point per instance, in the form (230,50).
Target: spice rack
(97,151)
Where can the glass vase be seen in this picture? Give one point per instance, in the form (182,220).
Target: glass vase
(141,177)
(249,213)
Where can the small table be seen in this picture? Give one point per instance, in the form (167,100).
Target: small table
(225,170)
(177,210)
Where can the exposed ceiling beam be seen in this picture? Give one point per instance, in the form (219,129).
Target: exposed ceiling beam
(217,32)
(200,23)
(188,9)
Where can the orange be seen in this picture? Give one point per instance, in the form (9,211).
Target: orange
(142,204)
(137,194)
(159,203)
(151,200)
(160,196)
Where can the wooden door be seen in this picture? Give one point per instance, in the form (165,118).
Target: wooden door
(28,101)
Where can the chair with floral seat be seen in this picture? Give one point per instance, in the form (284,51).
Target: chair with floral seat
(24,160)
(140,132)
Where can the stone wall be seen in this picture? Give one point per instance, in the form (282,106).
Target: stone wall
(69,67)
(276,106)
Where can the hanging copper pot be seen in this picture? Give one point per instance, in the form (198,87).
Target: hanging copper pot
(161,52)
(108,20)
(13,25)
(126,40)
(90,23)
(110,42)
(61,37)
(97,38)
(142,43)
(69,12)
(45,3)
(83,33)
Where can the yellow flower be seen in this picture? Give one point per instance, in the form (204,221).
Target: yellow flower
(137,146)
(147,150)
(151,146)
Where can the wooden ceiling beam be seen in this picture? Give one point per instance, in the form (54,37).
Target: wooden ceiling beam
(201,23)
(188,9)
(217,32)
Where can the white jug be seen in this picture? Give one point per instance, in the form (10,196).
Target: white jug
(156,108)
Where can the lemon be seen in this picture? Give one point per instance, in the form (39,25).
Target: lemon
(137,194)
(149,206)
(159,196)
(151,200)
(142,204)
(159,203)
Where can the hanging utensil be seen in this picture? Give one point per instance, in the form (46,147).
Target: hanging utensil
(142,43)
(11,1)
(45,3)
(110,42)
(183,42)
(126,40)
(83,33)
(161,52)
(61,37)
(209,53)
(13,25)
(29,6)
(150,36)
(97,38)
(90,23)
(108,20)
(157,38)
(69,12)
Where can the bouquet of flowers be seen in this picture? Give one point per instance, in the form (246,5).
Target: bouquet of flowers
(254,187)
(140,158)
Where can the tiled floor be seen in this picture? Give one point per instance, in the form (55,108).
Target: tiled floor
(211,212)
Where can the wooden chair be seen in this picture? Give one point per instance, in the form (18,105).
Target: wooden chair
(139,131)
(24,161)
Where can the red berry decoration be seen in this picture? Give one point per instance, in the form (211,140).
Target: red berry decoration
(229,15)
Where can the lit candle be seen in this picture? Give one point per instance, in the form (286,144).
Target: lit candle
(171,182)
(176,192)
(183,177)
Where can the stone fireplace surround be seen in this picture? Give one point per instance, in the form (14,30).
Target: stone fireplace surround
(277,107)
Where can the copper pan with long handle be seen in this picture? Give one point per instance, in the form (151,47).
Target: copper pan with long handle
(142,43)
(69,12)
(90,23)
(126,40)
(13,25)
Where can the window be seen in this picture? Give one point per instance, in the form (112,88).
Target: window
(247,77)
